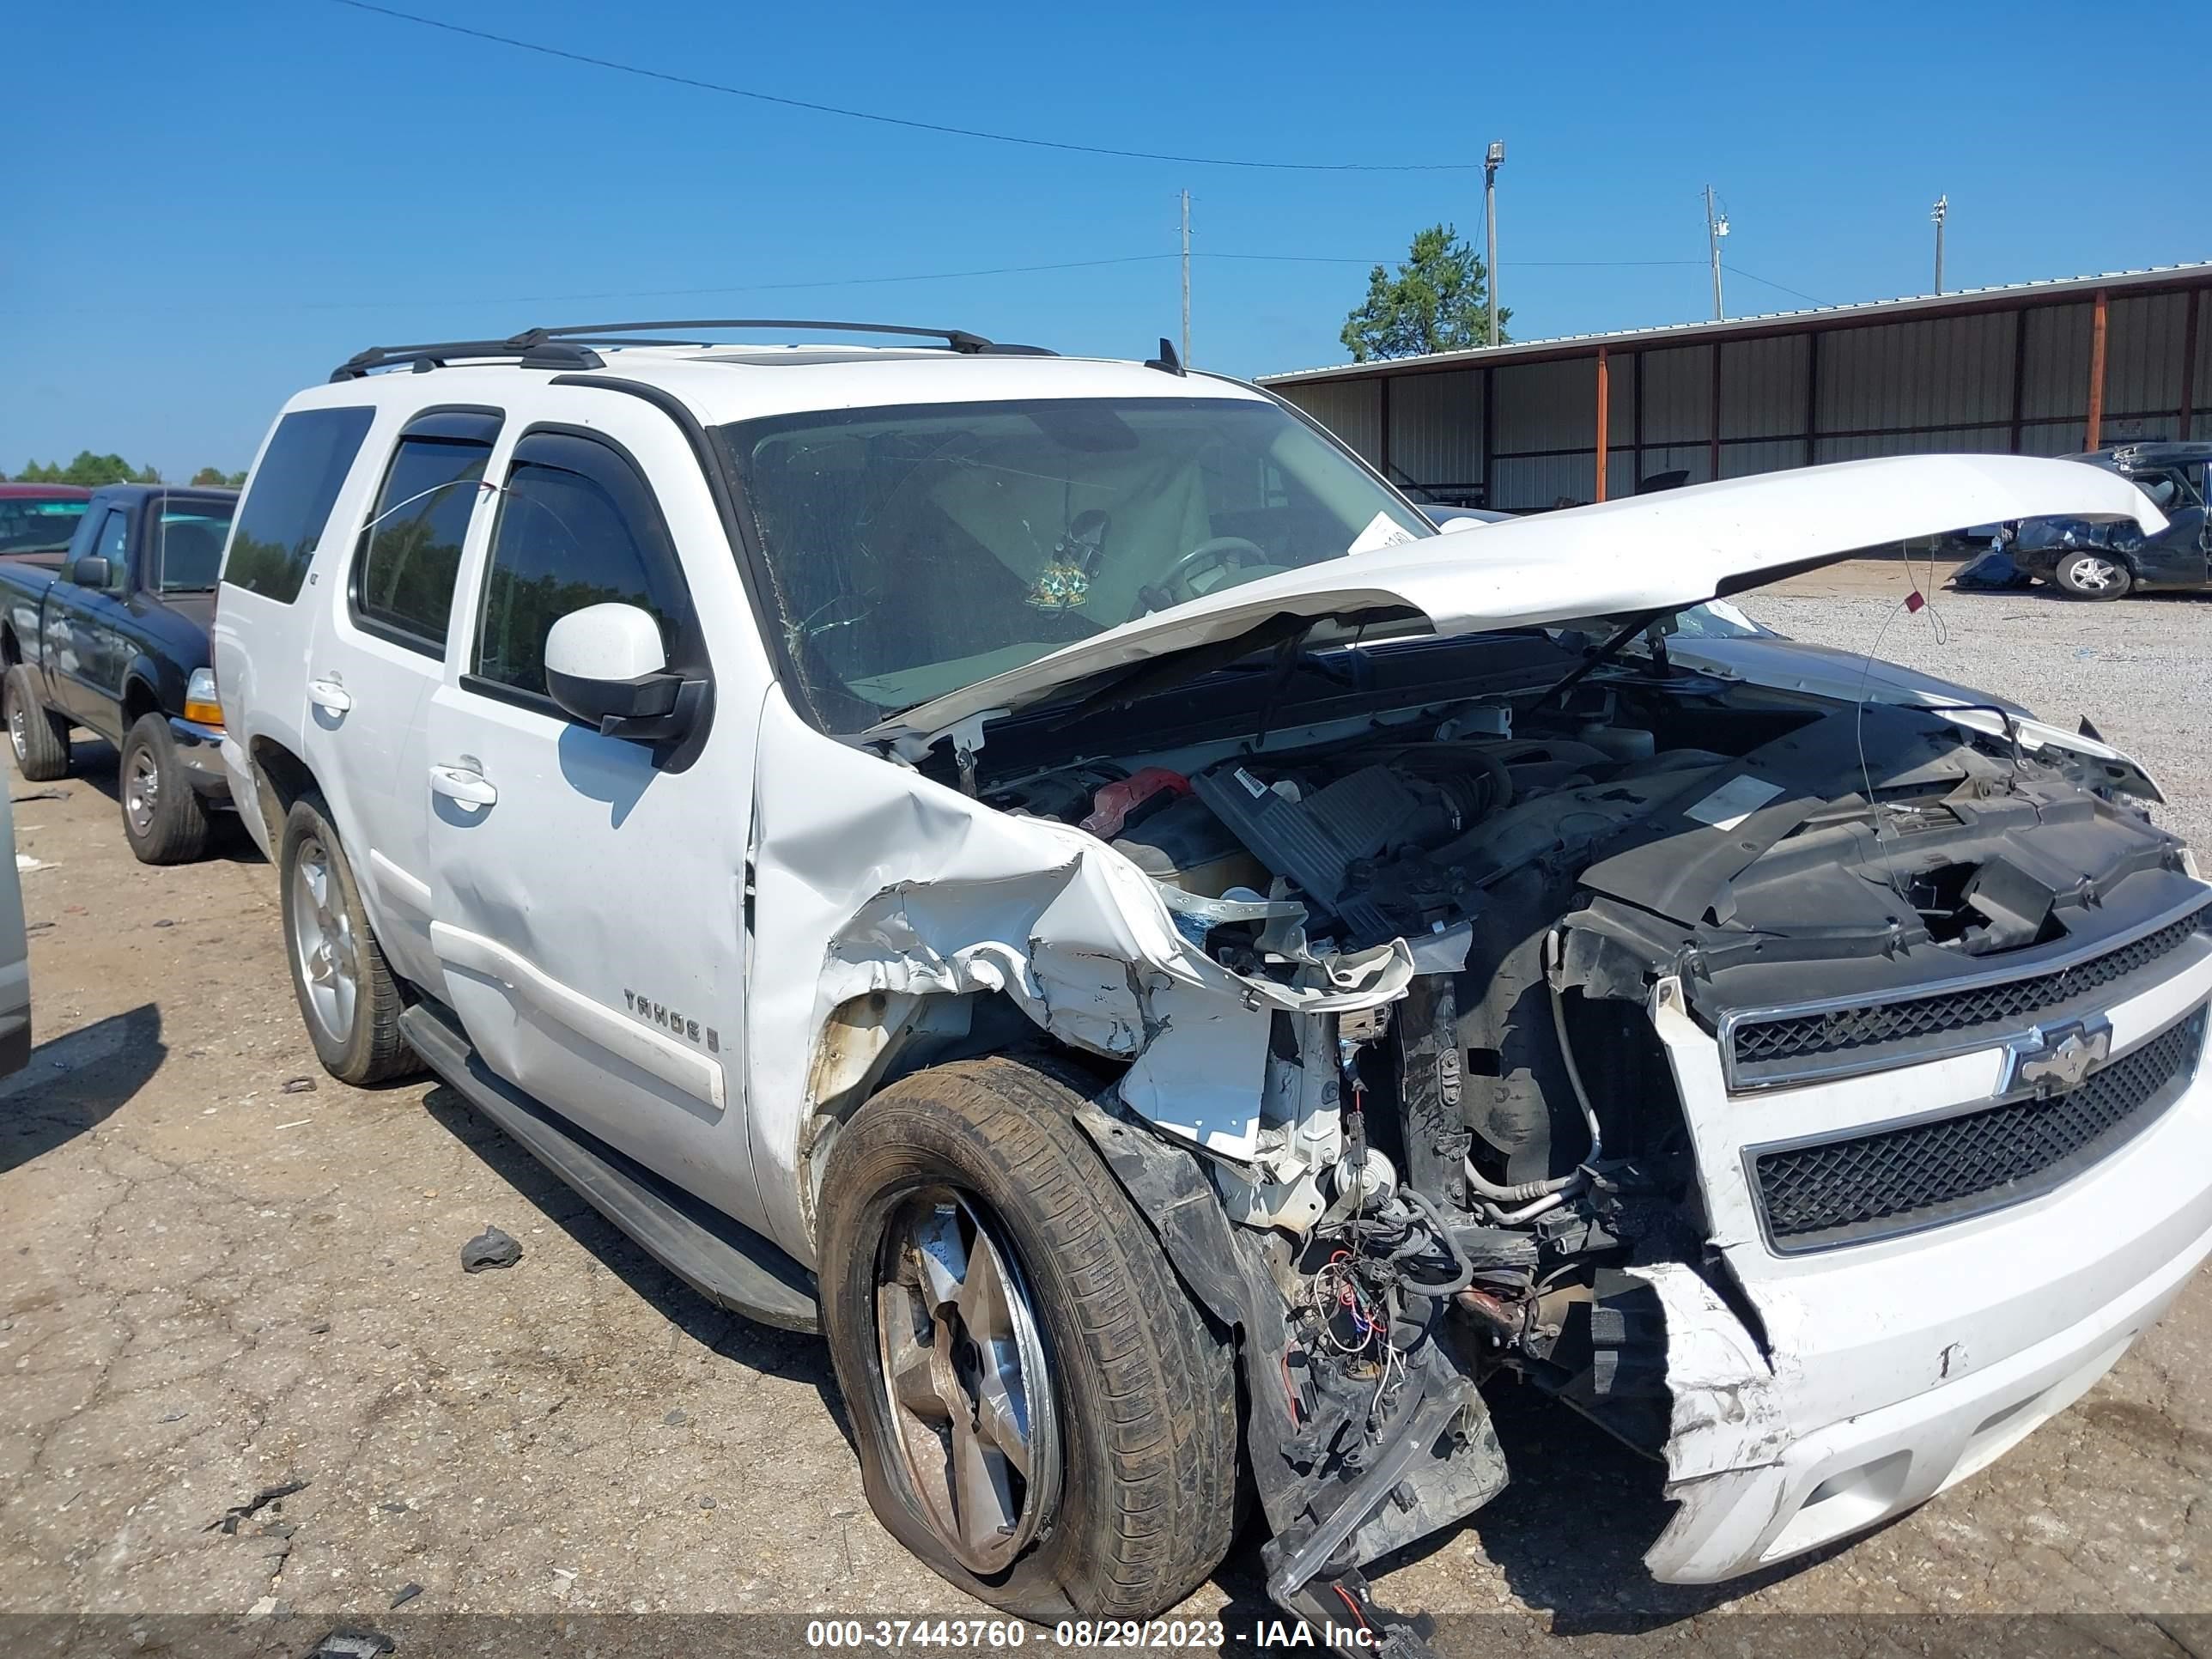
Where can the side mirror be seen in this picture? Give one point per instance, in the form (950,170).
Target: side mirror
(91,571)
(605,665)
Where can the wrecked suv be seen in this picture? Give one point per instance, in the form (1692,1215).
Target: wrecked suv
(1053,874)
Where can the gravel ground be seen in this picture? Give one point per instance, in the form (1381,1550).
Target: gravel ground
(2141,669)
(225,1273)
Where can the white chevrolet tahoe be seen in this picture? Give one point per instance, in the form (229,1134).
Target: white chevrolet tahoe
(1053,874)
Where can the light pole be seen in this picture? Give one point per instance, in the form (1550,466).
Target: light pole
(1940,212)
(1186,276)
(1491,163)
(1716,225)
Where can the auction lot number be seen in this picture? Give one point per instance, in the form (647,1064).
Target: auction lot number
(1012,1633)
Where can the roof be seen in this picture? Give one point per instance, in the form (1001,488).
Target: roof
(140,491)
(722,384)
(1961,302)
(45,492)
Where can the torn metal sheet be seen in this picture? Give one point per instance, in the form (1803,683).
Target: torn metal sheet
(876,880)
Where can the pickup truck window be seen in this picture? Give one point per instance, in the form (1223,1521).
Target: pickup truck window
(112,542)
(289,499)
(188,547)
(35,526)
(915,550)
(410,550)
(577,526)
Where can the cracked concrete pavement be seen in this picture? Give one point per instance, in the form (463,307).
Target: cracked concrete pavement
(218,1280)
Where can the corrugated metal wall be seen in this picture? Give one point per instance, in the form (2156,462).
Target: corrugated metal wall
(1435,430)
(1988,381)
(1351,409)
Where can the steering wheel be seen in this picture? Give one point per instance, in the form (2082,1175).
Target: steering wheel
(1212,553)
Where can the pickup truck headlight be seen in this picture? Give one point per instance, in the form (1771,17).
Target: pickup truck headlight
(201,707)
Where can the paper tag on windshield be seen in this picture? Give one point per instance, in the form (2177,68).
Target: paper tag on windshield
(1732,802)
(1382,531)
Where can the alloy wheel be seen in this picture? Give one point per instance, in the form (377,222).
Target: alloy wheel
(967,1379)
(2093,574)
(322,941)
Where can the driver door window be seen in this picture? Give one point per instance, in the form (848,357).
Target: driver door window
(577,527)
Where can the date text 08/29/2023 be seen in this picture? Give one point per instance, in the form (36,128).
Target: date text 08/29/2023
(1078,1634)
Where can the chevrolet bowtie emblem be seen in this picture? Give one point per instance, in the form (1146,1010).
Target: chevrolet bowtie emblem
(2049,1060)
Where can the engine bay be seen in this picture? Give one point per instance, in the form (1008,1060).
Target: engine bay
(1506,1140)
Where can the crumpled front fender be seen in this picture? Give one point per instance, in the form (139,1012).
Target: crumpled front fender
(875,879)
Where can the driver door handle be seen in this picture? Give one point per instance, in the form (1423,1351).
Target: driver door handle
(464,784)
(329,696)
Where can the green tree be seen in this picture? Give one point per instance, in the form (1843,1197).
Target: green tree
(90,471)
(1439,301)
(217,478)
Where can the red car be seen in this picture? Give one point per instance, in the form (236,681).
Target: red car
(38,519)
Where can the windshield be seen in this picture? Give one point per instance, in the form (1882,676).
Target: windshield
(188,544)
(913,552)
(36,524)
(1716,619)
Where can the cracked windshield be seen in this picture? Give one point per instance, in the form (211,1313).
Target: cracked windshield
(917,550)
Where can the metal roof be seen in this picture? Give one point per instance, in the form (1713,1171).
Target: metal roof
(1961,302)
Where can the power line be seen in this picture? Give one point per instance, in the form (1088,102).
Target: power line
(546,51)
(922,276)
(749,287)
(1800,292)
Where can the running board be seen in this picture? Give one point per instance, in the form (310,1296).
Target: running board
(729,1265)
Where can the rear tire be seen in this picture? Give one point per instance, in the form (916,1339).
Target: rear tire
(2092,576)
(163,818)
(348,996)
(39,738)
(1131,1426)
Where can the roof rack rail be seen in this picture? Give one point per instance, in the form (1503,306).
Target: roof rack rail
(570,347)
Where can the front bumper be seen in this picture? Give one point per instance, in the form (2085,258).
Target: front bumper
(199,754)
(1894,1369)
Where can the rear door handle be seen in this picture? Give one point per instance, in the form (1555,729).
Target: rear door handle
(329,697)
(463,783)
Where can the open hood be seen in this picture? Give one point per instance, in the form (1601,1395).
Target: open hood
(1654,552)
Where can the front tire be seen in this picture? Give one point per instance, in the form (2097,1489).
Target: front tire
(39,738)
(2093,576)
(347,995)
(1043,1416)
(163,819)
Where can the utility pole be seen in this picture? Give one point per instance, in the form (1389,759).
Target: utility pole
(1186,278)
(1716,225)
(1491,163)
(1942,212)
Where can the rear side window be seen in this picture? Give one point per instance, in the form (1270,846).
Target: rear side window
(288,500)
(29,524)
(577,526)
(410,548)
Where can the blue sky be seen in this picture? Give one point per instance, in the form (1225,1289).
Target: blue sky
(214,205)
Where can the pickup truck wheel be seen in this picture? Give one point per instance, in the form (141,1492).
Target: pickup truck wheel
(2093,576)
(39,739)
(1043,1415)
(162,817)
(348,996)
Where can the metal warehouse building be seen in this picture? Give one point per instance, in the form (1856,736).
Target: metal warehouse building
(2036,368)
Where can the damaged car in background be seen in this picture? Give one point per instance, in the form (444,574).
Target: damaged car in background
(1215,969)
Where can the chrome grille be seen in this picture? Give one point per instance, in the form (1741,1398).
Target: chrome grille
(1759,1045)
(1893,1180)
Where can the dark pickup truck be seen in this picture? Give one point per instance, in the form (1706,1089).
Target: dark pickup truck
(111,634)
